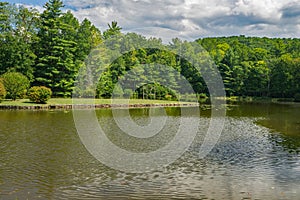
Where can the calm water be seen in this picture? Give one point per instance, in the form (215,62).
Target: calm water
(257,157)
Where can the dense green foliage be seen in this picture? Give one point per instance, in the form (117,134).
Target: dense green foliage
(16,84)
(114,29)
(2,91)
(252,66)
(62,47)
(55,67)
(155,91)
(47,47)
(17,34)
(297,97)
(39,94)
(263,67)
(52,47)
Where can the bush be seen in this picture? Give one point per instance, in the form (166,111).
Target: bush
(202,96)
(16,84)
(2,91)
(156,91)
(297,97)
(128,93)
(39,94)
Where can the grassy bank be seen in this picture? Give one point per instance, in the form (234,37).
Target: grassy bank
(68,102)
(236,99)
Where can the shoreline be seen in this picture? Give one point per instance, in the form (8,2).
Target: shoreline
(94,106)
(59,105)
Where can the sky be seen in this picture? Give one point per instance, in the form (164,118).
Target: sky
(190,19)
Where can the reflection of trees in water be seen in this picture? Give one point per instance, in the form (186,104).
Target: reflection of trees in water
(283,118)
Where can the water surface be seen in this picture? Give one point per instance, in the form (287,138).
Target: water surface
(257,157)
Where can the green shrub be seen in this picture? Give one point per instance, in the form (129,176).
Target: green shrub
(156,91)
(39,94)
(202,96)
(16,84)
(297,97)
(188,97)
(128,93)
(2,91)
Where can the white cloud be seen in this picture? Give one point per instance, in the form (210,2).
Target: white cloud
(194,18)
(37,7)
(267,9)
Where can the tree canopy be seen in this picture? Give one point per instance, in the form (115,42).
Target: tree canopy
(53,47)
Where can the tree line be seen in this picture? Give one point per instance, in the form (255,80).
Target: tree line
(48,47)
(51,49)
(252,66)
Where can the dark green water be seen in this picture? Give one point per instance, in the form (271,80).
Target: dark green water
(257,157)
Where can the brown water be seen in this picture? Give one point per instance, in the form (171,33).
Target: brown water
(257,157)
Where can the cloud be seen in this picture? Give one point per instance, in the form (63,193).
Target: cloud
(39,8)
(194,18)
(291,10)
(264,9)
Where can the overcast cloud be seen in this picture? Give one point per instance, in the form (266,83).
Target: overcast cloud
(194,18)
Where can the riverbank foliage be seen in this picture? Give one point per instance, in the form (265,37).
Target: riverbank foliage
(2,91)
(16,85)
(39,94)
(69,101)
(50,49)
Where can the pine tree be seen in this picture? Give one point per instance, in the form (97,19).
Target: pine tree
(113,29)
(88,37)
(55,66)
(4,16)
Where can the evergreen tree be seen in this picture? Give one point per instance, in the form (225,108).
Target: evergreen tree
(4,25)
(55,66)
(88,37)
(113,29)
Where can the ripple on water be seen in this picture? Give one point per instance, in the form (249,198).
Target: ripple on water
(248,162)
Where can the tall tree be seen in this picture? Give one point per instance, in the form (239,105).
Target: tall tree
(17,34)
(55,66)
(4,16)
(88,37)
(113,29)
(25,35)
(5,37)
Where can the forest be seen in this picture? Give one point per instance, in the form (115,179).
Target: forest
(52,47)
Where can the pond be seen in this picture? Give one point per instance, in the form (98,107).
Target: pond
(256,157)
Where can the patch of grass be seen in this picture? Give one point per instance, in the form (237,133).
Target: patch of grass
(284,100)
(69,101)
(19,102)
